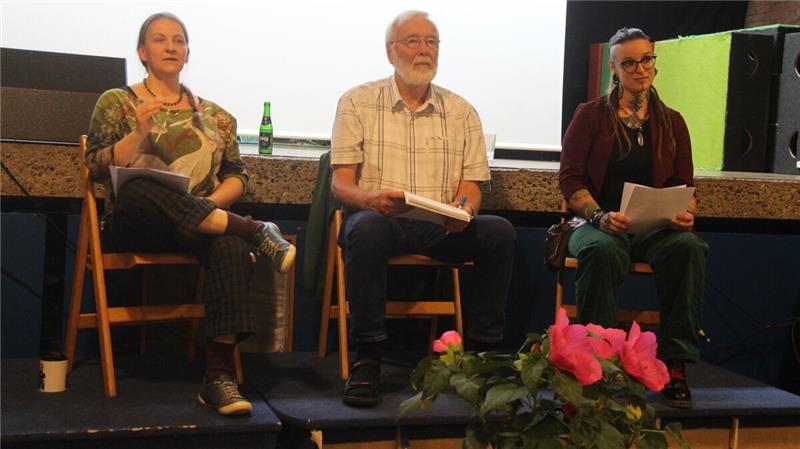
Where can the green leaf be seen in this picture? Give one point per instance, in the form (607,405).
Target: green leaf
(450,359)
(610,437)
(610,369)
(509,443)
(473,440)
(470,364)
(652,440)
(636,387)
(419,372)
(567,387)
(674,430)
(530,339)
(410,404)
(532,372)
(436,379)
(467,387)
(500,395)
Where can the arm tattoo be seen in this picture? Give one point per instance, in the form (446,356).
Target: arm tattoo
(583,204)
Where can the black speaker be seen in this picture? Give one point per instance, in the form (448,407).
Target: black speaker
(787,127)
(778,34)
(45,115)
(60,71)
(747,111)
(49,97)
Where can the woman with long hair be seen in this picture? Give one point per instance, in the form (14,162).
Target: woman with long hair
(159,123)
(630,135)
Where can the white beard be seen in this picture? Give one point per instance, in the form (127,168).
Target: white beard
(414,77)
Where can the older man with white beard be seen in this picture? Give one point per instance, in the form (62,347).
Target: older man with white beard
(404,133)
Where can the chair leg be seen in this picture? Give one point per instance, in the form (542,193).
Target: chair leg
(81,253)
(327,295)
(559,292)
(103,325)
(457,301)
(289,335)
(145,294)
(344,359)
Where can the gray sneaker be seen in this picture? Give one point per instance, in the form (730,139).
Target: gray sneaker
(272,245)
(222,394)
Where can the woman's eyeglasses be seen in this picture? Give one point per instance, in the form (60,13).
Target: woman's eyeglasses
(630,65)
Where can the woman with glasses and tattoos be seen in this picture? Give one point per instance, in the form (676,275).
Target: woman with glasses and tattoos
(630,135)
(158,123)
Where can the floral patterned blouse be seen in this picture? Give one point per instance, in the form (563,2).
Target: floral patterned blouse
(208,154)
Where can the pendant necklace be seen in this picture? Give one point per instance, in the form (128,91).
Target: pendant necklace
(632,121)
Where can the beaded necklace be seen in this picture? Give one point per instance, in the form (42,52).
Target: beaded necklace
(180,98)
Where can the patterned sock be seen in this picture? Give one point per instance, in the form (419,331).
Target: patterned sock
(242,226)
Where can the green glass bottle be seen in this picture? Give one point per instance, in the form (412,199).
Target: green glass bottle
(265,132)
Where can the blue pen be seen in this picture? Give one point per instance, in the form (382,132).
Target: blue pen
(462,202)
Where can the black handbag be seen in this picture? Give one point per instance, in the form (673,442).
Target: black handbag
(556,240)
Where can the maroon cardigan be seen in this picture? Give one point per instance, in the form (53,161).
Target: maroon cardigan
(590,140)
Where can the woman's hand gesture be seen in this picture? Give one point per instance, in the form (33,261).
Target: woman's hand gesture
(145,112)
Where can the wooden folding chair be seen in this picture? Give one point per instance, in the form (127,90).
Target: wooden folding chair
(394,309)
(90,256)
(647,317)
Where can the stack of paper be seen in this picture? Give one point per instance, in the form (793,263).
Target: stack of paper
(649,208)
(426,209)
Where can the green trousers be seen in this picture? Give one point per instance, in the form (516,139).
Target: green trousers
(678,260)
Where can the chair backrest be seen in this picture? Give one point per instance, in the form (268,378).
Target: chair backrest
(85,176)
(87,186)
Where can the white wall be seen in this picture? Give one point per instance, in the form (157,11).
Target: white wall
(506,59)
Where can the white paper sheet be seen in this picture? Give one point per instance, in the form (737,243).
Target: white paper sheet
(121,175)
(649,208)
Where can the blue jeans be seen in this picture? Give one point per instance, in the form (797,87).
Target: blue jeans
(370,238)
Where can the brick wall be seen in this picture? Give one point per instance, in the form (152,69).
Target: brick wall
(769,13)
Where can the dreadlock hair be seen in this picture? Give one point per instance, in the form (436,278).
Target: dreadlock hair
(665,140)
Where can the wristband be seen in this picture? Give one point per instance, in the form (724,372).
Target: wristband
(595,218)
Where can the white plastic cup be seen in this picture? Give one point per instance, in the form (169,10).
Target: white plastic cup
(53,374)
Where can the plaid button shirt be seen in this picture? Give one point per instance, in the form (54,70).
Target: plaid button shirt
(427,152)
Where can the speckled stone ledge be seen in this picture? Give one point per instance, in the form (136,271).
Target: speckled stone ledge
(51,171)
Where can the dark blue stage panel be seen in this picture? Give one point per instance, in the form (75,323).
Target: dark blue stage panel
(155,408)
(305,392)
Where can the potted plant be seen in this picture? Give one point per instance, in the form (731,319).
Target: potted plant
(574,387)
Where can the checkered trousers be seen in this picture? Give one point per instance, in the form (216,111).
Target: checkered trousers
(149,217)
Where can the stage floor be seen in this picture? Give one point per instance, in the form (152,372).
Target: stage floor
(294,394)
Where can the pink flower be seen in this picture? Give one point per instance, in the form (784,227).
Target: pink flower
(570,350)
(447,338)
(608,341)
(638,356)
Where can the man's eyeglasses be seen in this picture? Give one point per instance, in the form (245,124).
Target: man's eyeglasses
(630,65)
(414,42)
